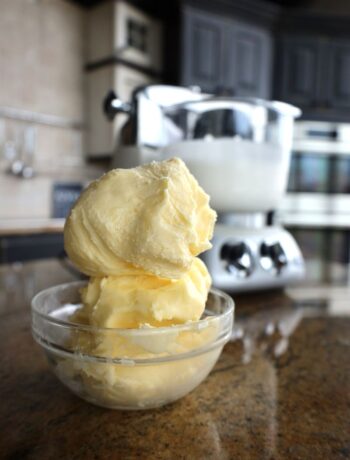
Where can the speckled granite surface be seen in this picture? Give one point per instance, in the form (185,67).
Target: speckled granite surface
(281,389)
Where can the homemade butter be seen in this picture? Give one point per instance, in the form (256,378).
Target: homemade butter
(154,218)
(137,233)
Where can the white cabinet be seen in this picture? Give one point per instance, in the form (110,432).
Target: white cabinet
(102,134)
(118,30)
(123,53)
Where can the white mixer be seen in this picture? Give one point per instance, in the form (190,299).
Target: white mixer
(239,151)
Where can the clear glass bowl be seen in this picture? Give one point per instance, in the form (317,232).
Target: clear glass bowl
(128,368)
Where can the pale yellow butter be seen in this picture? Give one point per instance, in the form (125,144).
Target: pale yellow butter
(131,301)
(153,218)
(137,233)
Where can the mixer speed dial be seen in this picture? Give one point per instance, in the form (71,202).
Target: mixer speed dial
(273,257)
(238,258)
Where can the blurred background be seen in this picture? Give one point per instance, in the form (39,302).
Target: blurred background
(58,59)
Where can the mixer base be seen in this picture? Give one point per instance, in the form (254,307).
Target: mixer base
(251,259)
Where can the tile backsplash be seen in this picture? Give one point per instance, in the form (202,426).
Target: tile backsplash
(56,149)
(42,57)
(25,199)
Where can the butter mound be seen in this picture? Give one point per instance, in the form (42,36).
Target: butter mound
(154,218)
(137,233)
(132,301)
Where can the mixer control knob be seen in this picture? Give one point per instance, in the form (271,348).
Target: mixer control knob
(273,257)
(238,258)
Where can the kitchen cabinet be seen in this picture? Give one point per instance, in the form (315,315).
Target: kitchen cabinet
(339,74)
(103,135)
(225,56)
(19,248)
(298,69)
(249,53)
(313,72)
(203,50)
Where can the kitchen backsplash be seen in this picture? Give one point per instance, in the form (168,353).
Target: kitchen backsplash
(42,57)
(55,149)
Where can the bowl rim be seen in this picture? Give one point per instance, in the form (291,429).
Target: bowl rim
(189,325)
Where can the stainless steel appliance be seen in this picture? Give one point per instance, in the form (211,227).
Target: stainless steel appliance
(239,150)
(316,208)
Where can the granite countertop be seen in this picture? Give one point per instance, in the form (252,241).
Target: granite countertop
(280,390)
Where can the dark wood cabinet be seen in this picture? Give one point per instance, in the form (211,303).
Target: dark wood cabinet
(338,86)
(233,55)
(313,73)
(20,248)
(223,55)
(249,52)
(203,50)
(298,66)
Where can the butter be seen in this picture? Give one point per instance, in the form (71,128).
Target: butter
(154,218)
(136,386)
(132,301)
(137,233)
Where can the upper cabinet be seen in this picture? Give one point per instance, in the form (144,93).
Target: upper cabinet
(297,78)
(203,51)
(339,74)
(225,56)
(313,73)
(249,50)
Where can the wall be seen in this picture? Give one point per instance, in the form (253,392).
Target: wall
(42,50)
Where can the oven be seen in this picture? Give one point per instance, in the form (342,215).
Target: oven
(316,208)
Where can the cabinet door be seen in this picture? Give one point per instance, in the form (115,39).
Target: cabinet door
(248,64)
(338,84)
(298,70)
(202,50)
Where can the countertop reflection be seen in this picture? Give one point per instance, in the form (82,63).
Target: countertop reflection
(281,389)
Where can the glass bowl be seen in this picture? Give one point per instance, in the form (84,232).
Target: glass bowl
(128,368)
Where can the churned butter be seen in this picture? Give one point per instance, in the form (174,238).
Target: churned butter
(137,233)
(154,218)
(130,301)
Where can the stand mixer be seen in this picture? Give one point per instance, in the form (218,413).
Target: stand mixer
(239,150)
